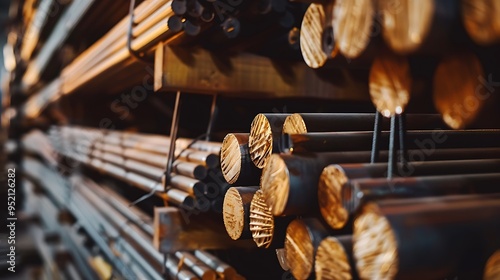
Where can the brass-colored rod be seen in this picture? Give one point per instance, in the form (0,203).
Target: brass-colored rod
(335,260)
(236,211)
(343,188)
(236,164)
(265,137)
(457,234)
(303,237)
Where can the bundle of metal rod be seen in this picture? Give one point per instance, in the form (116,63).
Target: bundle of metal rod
(481,21)
(303,237)
(456,95)
(142,241)
(236,211)
(335,260)
(416,139)
(390,83)
(431,24)
(457,235)
(343,188)
(265,137)
(299,123)
(236,164)
(267,231)
(176,231)
(154,21)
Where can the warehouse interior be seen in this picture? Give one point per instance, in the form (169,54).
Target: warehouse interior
(240,139)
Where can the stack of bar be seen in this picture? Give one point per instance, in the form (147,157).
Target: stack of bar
(351,34)
(124,234)
(141,159)
(311,184)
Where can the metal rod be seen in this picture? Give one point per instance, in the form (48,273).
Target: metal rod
(236,164)
(197,266)
(392,148)
(303,237)
(236,211)
(377,129)
(224,270)
(265,137)
(427,141)
(341,185)
(460,232)
(335,260)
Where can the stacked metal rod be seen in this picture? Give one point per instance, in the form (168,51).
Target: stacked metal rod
(317,166)
(141,160)
(123,234)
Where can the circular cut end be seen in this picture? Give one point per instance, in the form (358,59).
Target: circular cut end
(330,187)
(332,262)
(233,213)
(375,247)
(299,249)
(260,140)
(261,221)
(275,184)
(311,36)
(406,23)
(352,21)
(481,20)
(294,124)
(390,84)
(455,89)
(230,158)
(492,268)
(200,172)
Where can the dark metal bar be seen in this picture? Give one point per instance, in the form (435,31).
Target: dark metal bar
(335,259)
(236,211)
(427,141)
(456,235)
(236,164)
(377,129)
(222,269)
(341,186)
(337,122)
(362,190)
(392,148)
(303,237)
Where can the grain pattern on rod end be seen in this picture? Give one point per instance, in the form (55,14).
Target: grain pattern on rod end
(492,268)
(261,221)
(275,184)
(375,246)
(230,158)
(236,211)
(294,124)
(455,84)
(224,270)
(481,20)
(236,164)
(390,83)
(198,267)
(265,136)
(303,237)
(406,23)
(311,36)
(333,261)
(330,187)
(352,25)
